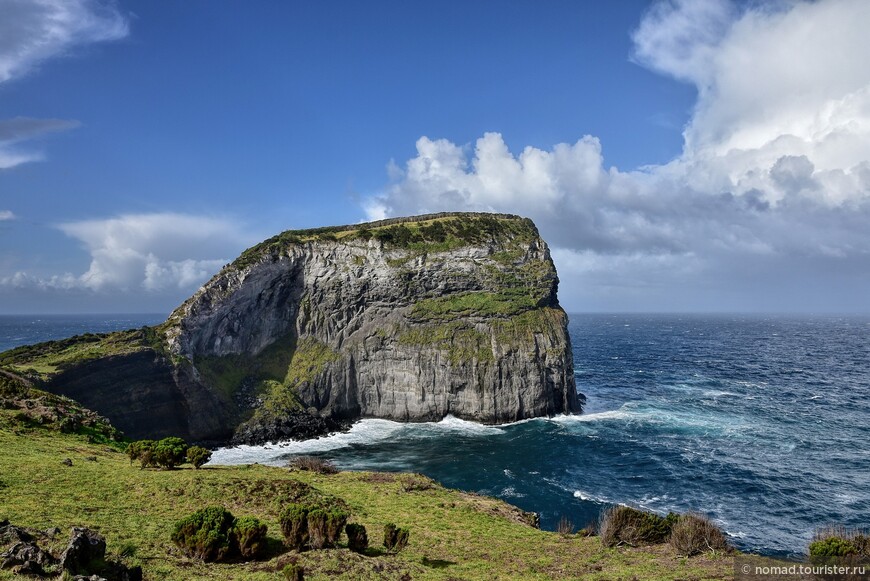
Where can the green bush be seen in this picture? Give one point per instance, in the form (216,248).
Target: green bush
(141,450)
(198,456)
(312,525)
(694,534)
(206,534)
(325,526)
(294,525)
(832,547)
(357,539)
(840,544)
(170,452)
(623,525)
(250,535)
(395,539)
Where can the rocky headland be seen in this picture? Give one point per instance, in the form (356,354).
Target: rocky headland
(407,319)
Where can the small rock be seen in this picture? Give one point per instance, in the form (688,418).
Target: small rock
(66,462)
(29,556)
(11,533)
(91,578)
(52,532)
(91,458)
(84,546)
(30,568)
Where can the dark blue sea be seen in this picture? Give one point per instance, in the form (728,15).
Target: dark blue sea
(761,422)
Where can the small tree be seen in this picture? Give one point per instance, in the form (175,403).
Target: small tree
(198,456)
(170,452)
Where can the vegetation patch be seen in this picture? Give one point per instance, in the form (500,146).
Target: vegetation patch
(694,534)
(472,304)
(206,534)
(461,342)
(395,538)
(455,535)
(313,464)
(27,407)
(623,525)
(840,544)
(420,234)
(51,357)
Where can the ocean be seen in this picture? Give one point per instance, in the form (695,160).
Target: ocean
(760,422)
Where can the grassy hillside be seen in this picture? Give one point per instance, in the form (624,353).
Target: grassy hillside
(454,535)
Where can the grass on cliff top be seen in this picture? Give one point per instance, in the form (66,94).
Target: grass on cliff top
(50,357)
(419,234)
(454,535)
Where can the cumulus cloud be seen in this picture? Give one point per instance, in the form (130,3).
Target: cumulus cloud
(153,253)
(32,31)
(6,215)
(774,177)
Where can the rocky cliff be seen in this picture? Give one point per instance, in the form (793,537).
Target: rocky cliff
(407,319)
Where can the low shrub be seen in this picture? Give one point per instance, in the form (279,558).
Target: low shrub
(137,451)
(198,456)
(565,526)
(395,539)
(357,539)
(250,535)
(832,547)
(206,534)
(623,525)
(313,464)
(416,482)
(294,525)
(694,534)
(170,452)
(841,545)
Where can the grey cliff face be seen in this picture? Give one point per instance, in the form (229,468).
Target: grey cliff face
(373,329)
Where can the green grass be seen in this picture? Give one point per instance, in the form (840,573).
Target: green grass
(453,535)
(48,358)
(461,342)
(470,304)
(418,234)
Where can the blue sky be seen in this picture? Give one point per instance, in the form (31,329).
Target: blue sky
(700,156)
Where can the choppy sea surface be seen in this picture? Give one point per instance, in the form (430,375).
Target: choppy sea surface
(761,422)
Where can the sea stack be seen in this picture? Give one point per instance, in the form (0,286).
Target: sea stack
(408,319)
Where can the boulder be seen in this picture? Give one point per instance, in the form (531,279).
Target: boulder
(84,547)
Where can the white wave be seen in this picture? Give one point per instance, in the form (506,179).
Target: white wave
(590,497)
(366,431)
(620,414)
(717,393)
(362,432)
(510,492)
(454,424)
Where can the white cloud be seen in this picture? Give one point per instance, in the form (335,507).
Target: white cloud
(32,31)
(144,252)
(6,215)
(775,168)
(19,129)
